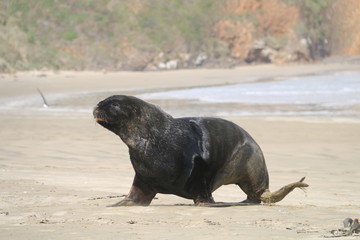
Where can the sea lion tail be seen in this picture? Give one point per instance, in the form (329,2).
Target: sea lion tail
(273,197)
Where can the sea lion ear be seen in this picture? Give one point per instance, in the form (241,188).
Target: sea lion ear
(203,139)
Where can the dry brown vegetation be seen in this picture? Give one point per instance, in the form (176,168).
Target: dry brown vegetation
(139,34)
(346,35)
(256,20)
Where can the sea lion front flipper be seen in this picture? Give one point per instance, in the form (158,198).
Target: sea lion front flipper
(198,184)
(140,195)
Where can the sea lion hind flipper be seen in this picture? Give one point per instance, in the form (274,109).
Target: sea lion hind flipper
(273,197)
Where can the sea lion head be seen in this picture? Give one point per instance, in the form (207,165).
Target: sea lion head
(131,118)
(118,113)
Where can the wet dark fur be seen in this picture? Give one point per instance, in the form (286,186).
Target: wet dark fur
(188,157)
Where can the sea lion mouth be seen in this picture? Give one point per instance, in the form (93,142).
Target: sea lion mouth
(103,122)
(100,117)
(100,120)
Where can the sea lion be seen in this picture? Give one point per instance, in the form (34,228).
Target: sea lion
(189,157)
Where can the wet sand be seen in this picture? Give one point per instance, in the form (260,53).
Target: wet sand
(59,171)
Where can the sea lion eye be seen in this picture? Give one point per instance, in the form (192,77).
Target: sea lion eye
(115,108)
(115,105)
(118,109)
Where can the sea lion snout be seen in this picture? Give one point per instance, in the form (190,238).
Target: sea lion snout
(96,111)
(97,114)
(101,117)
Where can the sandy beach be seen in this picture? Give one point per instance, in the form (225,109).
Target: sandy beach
(59,170)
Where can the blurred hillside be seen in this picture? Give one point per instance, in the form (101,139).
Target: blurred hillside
(162,34)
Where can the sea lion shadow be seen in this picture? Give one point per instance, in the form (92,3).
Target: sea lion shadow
(212,205)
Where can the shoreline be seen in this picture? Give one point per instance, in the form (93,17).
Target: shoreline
(80,91)
(72,81)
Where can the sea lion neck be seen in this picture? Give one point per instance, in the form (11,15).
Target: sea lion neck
(151,124)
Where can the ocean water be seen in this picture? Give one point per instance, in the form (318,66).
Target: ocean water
(326,95)
(336,94)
